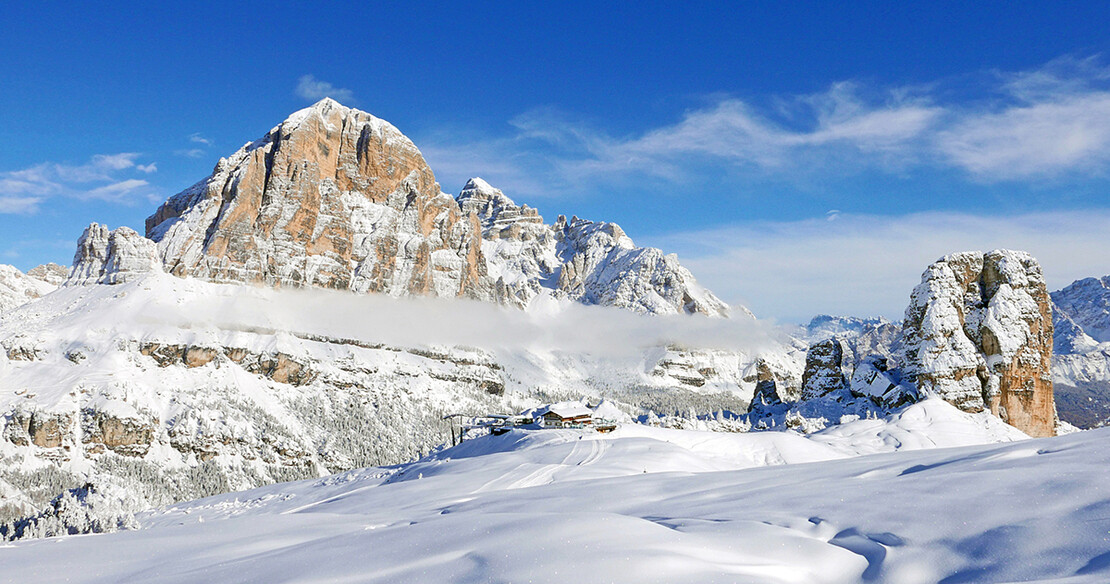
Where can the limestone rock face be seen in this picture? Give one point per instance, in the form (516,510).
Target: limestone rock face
(520,251)
(601,265)
(978,332)
(112,257)
(128,436)
(823,373)
(332,197)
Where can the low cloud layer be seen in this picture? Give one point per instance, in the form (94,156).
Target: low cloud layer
(868,265)
(554,327)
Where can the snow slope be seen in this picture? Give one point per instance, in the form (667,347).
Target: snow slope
(177,388)
(646,505)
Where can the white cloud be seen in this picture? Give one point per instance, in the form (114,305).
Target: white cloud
(867,265)
(1063,134)
(116,192)
(190,152)
(1034,125)
(598,331)
(114,161)
(21,191)
(19,205)
(733,130)
(196,137)
(564,155)
(312,89)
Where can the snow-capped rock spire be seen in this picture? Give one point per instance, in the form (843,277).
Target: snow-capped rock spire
(978,332)
(112,257)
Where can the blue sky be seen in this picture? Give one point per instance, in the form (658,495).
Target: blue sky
(800,159)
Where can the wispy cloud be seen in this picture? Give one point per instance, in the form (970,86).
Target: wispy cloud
(19,205)
(866,265)
(1031,125)
(189,152)
(117,191)
(312,89)
(21,191)
(1050,121)
(197,138)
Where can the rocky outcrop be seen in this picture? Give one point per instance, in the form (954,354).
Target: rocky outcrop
(519,250)
(50,273)
(978,332)
(38,428)
(823,373)
(126,435)
(859,337)
(17,288)
(276,366)
(332,197)
(602,266)
(766,390)
(874,379)
(584,261)
(111,257)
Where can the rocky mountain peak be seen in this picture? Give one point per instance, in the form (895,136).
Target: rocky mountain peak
(331,197)
(500,217)
(334,197)
(50,273)
(17,288)
(1086,303)
(978,332)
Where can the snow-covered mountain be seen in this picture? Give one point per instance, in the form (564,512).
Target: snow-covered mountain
(977,332)
(1081,369)
(868,501)
(336,198)
(176,388)
(163,371)
(319,304)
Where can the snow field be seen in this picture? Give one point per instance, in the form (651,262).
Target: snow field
(646,505)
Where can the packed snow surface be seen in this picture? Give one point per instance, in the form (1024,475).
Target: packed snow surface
(644,504)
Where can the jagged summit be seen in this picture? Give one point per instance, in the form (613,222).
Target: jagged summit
(334,197)
(478,185)
(323,109)
(331,197)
